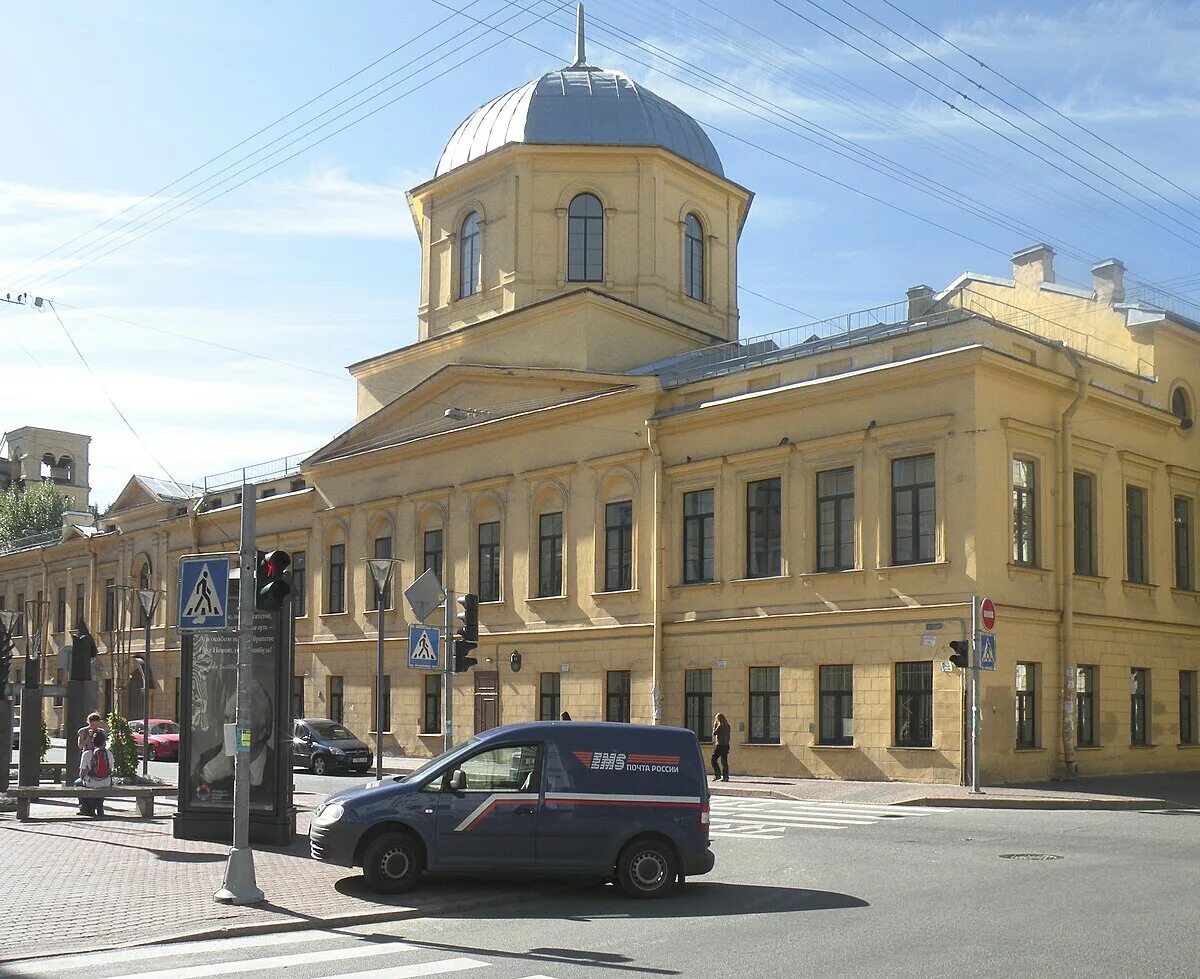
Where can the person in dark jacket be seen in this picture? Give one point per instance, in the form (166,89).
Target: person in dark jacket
(720,755)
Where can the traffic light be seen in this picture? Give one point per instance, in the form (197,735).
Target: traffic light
(468,622)
(463,662)
(270,580)
(961,657)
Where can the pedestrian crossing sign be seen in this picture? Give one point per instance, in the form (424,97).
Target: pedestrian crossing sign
(423,647)
(203,593)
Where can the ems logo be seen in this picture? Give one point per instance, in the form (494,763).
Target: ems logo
(602,761)
(607,761)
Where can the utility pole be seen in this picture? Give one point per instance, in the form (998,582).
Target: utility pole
(448,668)
(975,712)
(240,886)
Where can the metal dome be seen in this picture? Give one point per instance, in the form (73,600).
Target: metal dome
(580,104)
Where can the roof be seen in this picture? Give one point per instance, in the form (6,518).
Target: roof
(169,491)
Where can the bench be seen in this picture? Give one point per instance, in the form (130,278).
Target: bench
(144,794)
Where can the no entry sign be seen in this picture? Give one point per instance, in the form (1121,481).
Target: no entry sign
(987,614)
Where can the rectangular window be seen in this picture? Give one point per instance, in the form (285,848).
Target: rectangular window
(19,625)
(764,705)
(1135,535)
(387,704)
(489,562)
(764,553)
(110,605)
(618,546)
(1085,706)
(60,611)
(297,695)
(1139,689)
(697,704)
(337,698)
(914,705)
(299,587)
(835,520)
(383,549)
(108,697)
(58,679)
(1184,577)
(1026,705)
(79,610)
(913,509)
(337,583)
(1085,524)
(698,537)
(431,719)
(432,556)
(837,705)
(550,543)
(1187,707)
(617,705)
(1024,512)
(550,702)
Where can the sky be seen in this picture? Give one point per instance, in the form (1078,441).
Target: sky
(213,268)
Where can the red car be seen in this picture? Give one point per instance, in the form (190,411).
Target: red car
(164,738)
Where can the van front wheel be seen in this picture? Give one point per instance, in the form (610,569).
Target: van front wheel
(392,863)
(646,868)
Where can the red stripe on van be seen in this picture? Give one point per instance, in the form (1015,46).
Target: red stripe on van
(585,758)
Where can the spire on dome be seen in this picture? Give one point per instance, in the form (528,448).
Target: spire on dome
(580,57)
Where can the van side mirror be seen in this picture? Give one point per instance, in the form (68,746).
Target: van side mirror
(458,781)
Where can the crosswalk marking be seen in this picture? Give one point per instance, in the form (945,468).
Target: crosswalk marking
(275,962)
(438,968)
(769,819)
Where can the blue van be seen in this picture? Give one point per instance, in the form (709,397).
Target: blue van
(622,802)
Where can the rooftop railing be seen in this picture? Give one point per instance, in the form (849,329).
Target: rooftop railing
(262,472)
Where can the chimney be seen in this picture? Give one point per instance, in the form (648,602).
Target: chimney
(1034,265)
(920,299)
(1108,281)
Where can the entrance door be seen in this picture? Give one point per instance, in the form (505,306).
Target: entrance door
(487,700)
(136,697)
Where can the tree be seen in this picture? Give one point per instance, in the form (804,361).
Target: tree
(125,756)
(34,510)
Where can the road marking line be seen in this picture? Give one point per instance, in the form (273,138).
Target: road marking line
(749,836)
(893,811)
(438,968)
(774,817)
(275,962)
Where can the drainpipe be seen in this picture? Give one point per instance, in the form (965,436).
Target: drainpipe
(1066,496)
(657,572)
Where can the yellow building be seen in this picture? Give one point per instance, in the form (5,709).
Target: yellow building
(666,521)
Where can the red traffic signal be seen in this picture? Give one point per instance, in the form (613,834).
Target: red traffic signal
(270,580)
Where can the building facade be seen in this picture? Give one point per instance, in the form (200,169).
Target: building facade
(666,521)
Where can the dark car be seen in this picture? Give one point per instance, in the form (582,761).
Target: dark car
(322,745)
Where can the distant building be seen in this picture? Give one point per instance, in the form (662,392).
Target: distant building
(36,454)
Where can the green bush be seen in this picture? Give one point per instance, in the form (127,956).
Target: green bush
(120,742)
(45,739)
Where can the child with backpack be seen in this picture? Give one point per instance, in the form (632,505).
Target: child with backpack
(95,772)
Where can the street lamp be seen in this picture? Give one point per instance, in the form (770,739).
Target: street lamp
(148,599)
(8,618)
(381,571)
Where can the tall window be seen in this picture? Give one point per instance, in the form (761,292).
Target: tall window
(110,605)
(697,703)
(550,542)
(1085,706)
(693,257)
(489,562)
(1139,689)
(1026,705)
(1085,524)
(431,718)
(763,548)
(143,584)
(299,585)
(1135,534)
(1024,512)
(1184,576)
(337,582)
(79,610)
(387,703)
(618,546)
(432,559)
(60,611)
(913,509)
(1180,407)
(19,625)
(619,688)
(1187,707)
(297,696)
(698,539)
(835,520)
(914,705)
(468,256)
(337,698)
(550,699)
(383,549)
(837,705)
(764,705)
(585,239)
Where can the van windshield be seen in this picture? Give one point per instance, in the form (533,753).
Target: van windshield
(462,749)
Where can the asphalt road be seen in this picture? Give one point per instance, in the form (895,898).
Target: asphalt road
(797,891)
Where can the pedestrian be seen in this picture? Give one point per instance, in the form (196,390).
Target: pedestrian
(720,755)
(83,738)
(565,716)
(95,772)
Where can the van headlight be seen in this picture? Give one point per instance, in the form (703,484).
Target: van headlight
(328,813)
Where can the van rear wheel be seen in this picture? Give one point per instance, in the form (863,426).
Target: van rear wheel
(646,868)
(392,863)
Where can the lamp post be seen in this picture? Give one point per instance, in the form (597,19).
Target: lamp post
(381,571)
(7,618)
(30,757)
(148,599)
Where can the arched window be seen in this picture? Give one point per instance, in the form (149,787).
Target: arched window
(1181,407)
(585,239)
(693,258)
(68,468)
(47,466)
(468,256)
(144,585)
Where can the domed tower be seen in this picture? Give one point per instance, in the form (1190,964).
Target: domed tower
(581,179)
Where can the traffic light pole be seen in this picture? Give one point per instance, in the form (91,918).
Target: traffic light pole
(975,694)
(448,667)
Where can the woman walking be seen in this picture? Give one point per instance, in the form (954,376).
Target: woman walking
(720,736)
